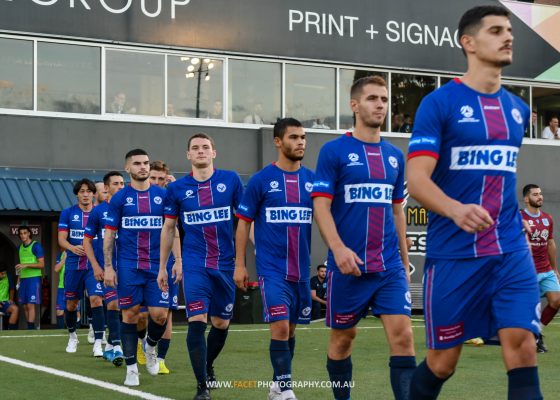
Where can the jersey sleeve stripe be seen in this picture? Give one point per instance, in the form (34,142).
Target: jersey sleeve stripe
(322,194)
(244,218)
(170,216)
(63,229)
(88,235)
(397,201)
(111,228)
(420,153)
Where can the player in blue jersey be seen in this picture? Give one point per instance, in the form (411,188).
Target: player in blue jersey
(358,195)
(113,182)
(136,214)
(78,274)
(479,277)
(204,201)
(278,200)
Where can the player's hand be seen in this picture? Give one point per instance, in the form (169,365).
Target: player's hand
(109,277)
(471,218)
(163,280)
(177,272)
(78,250)
(241,277)
(526,227)
(98,273)
(347,261)
(19,267)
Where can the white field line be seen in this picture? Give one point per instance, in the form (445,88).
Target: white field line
(84,379)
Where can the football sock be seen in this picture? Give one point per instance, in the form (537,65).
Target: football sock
(340,374)
(402,368)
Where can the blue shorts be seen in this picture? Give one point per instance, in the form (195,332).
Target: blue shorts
(60,301)
(4,305)
(139,286)
(75,281)
(548,282)
(30,290)
(109,294)
(476,297)
(349,297)
(283,300)
(173,294)
(209,291)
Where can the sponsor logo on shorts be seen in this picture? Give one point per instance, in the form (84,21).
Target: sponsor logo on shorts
(70,294)
(32,298)
(229,307)
(306,311)
(157,200)
(125,301)
(221,187)
(496,158)
(408,297)
(368,193)
(445,334)
(195,306)
(77,234)
(110,294)
(142,222)
(207,216)
(98,286)
(294,215)
(278,311)
(345,319)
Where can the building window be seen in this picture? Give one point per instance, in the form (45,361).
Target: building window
(255,92)
(68,78)
(16,74)
(134,83)
(346,78)
(310,95)
(546,103)
(194,87)
(406,93)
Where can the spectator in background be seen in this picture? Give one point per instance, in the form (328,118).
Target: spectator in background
(7,305)
(398,122)
(551,131)
(216,110)
(255,116)
(319,292)
(119,105)
(407,124)
(60,303)
(29,269)
(534,123)
(319,124)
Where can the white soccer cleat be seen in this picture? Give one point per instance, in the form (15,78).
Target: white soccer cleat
(152,364)
(91,335)
(288,395)
(72,345)
(97,349)
(274,393)
(132,378)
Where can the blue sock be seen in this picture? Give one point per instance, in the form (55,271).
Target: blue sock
(292,346)
(113,323)
(12,327)
(281,363)
(30,325)
(340,374)
(215,343)
(141,334)
(98,322)
(71,320)
(402,369)
(129,339)
(60,321)
(523,384)
(155,331)
(162,347)
(425,385)
(196,344)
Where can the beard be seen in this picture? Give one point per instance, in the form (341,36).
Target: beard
(291,155)
(535,204)
(138,177)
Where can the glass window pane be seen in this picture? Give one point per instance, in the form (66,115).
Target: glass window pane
(194,87)
(546,103)
(16,74)
(346,79)
(134,83)
(406,93)
(310,95)
(68,78)
(254,92)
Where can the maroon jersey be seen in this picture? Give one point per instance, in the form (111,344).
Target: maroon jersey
(541,232)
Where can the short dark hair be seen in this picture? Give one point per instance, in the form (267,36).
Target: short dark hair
(553,117)
(135,152)
(90,185)
(321,266)
(25,228)
(282,125)
(527,189)
(159,165)
(108,175)
(201,135)
(357,86)
(471,20)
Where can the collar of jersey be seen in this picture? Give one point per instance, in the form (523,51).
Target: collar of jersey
(533,215)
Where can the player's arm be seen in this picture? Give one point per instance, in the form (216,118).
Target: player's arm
(552,255)
(165,246)
(346,259)
(400,224)
(88,248)
(469,217)
(240,275)
(314,297)
(110,278)
(65,244)
(177,270)
(58,265)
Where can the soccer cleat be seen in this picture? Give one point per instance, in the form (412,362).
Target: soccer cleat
(274,393)
(109,355)
(140,357)
(202,393)
(541,347)
(152,364)
(97,349)
(132,378)
(163,370)
(288,395)
(211,381)
(90,335)
(104,340)
(475,341)
(118,358)
(72,345)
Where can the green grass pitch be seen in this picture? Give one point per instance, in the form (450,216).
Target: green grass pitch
(480,374)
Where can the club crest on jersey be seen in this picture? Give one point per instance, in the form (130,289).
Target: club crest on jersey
(221,187)
(207,216)
(545,222)
(368,193)
(516,116)
(497,158)
(157,200)
(308,186)
(467,112)
(129,201)
(354,160)
(189,194)
(274,187)
(393,161)
(76,217)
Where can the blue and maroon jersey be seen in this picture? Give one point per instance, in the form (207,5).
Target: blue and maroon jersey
(363,180)
(74,221)
(475,139)
(280,204)
(137,216)
(206,213)
(95,230)
(542,230)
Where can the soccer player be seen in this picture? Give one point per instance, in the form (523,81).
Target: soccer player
(60,302)
(101,193)
(278,200)
(204,200)
(136,214)
(479,277)
(30,271)
(160,174)
(543,248)
(7,305)
(78,273)
(93,246)
(358,194)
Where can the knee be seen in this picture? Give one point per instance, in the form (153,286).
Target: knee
(280,330)
(95,301)
(72,305)
(341,343)
(159,318)
(402,342)
(442,368)
(219,323)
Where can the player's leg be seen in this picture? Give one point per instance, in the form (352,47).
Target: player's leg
(141,330)
(549,286)
(96,293)
(13,311)
(60,306)
(113,350)
(30,315)
(165,341)
(158,308)
(339,361)
(129,340)
(73,292)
